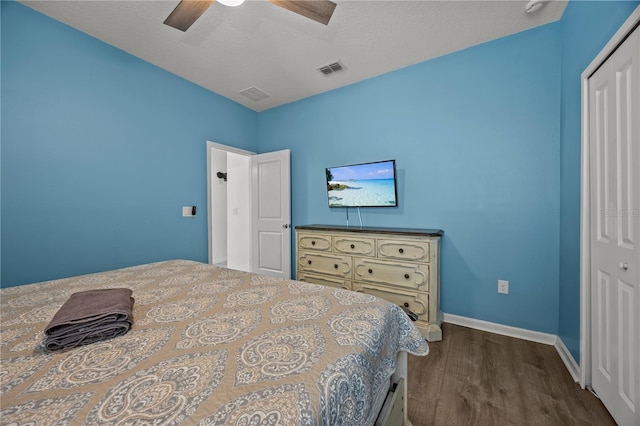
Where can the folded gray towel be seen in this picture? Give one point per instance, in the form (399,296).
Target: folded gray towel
(90,316)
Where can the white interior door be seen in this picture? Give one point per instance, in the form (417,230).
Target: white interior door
(271,208)
(614,131)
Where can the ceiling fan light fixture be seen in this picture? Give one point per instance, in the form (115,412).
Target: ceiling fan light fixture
(231,3)
(188,11)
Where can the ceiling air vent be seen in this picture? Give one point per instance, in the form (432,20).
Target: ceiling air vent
(254,94)
(332,68)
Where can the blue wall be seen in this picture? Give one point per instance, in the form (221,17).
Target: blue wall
(586,28)
(100,150)
(475,135)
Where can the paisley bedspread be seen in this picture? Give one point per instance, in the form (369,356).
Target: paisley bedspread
(209,346)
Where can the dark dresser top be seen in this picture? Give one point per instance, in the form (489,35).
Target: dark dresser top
(374,229)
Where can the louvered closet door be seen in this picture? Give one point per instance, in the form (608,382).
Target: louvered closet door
(614,108)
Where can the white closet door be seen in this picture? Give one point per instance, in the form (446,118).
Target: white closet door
(614,105)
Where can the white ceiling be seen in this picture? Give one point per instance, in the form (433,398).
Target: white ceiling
(230,49)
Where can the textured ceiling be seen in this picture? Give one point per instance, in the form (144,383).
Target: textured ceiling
(230,49)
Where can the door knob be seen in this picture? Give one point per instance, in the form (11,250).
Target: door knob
(623,265)
(285,226)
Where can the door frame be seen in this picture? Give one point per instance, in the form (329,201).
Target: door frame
(585,219)
(211,146)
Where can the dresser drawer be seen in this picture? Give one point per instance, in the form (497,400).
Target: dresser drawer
(354,245)
(404,250)
(322,263)
(408,275)
(414,301)
(399,265)
(314,242)
(324,280)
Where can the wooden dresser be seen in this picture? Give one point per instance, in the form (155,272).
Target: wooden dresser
(396,264)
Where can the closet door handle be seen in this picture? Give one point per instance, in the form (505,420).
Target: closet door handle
(309,262)
(406,276)
(335,265)
(353,246)
(313,243)
(401,250)
(370,271)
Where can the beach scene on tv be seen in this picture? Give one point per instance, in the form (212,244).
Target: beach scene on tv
(362,185)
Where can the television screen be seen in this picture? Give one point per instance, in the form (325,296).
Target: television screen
(363,185)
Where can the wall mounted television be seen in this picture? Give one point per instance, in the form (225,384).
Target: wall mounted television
(363,185)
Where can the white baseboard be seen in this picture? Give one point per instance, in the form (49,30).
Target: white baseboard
(567,358)
(505,330)
(521,333)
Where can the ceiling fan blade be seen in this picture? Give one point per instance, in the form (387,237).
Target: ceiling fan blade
(318,10)
(186,13)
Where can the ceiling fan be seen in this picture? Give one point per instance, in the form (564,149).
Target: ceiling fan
(188,11)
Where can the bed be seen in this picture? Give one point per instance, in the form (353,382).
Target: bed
(209,346)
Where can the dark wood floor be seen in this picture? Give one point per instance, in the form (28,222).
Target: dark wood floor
(477,378)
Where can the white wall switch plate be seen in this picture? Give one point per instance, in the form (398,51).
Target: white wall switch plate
(503,287)
(186,211)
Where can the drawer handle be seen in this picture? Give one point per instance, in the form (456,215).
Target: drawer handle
(313,243)
(406,276)
(309,262)
(371,271)
(412,315)
(353,246)
(401,250)
(335,265)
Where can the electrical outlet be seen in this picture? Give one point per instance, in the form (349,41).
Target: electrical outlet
(503,287)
